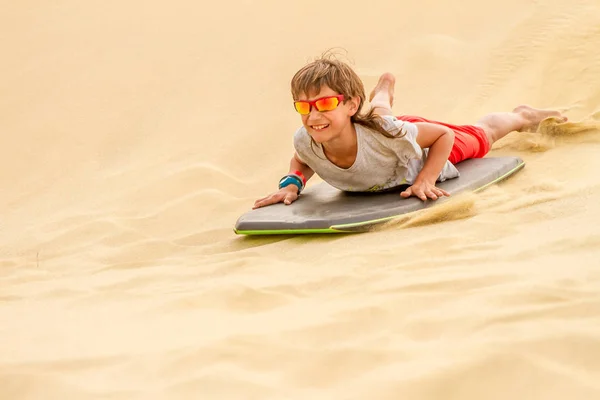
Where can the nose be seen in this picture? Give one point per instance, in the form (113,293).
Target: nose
(314,114)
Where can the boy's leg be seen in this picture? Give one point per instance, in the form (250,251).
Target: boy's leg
(495,125)
(523,118)
(382,96)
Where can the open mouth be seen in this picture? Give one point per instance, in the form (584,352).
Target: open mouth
(319,127)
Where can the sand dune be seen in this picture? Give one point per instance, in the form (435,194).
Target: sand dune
(134,135)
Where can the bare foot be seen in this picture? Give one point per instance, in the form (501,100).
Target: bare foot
(383,93)
(533,116)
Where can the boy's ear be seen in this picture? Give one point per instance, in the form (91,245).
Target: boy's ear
(353,105)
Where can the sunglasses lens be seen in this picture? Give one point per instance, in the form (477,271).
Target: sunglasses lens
(327,104)
(302,107)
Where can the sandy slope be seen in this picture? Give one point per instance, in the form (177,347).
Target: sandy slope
(133,135)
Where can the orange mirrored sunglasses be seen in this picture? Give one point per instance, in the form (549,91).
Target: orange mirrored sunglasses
(322,104)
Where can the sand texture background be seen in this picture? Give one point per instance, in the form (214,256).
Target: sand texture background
(133,134)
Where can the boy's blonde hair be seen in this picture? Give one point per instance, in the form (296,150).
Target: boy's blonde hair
(340,77)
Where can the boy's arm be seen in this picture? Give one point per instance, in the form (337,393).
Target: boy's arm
(439,139)
(297,165)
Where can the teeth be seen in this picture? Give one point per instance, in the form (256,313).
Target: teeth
(318,127)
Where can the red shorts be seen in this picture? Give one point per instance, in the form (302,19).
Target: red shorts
(469,141)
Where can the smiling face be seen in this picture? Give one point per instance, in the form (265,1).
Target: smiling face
(326,126)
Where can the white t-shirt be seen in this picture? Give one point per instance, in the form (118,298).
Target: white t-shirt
(381,162)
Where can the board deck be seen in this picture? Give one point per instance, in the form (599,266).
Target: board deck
(324,209)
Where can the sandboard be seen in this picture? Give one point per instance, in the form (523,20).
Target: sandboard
(322,208)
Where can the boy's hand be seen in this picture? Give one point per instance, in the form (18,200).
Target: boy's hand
(287,195)
(424,190)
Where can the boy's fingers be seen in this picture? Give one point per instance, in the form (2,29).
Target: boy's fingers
(421,194)
(263,202)
(290,198)
(259,204)
(440,192)
(282,196)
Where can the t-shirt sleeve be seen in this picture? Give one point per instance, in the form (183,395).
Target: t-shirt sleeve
(301,144)
(400,128)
